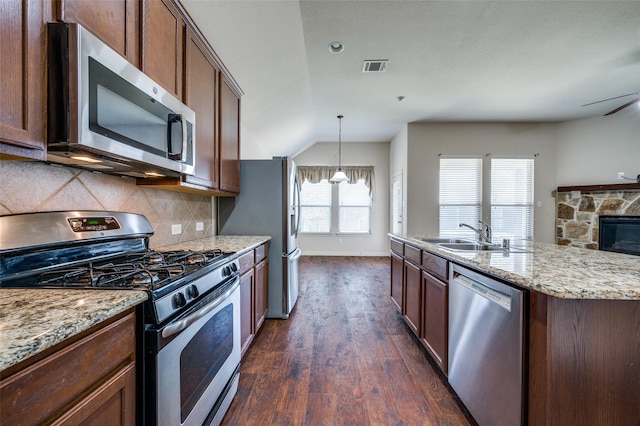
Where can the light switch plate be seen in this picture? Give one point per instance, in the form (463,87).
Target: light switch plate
(199,226)
(176,229)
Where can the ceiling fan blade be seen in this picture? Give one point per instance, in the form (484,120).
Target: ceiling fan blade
(631,102)
(610,99)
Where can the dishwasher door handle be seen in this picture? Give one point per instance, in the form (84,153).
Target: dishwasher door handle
(492,295)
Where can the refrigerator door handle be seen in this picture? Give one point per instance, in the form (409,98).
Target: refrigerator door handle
(294,255)
(297,207)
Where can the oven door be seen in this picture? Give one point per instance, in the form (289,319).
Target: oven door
(198,357)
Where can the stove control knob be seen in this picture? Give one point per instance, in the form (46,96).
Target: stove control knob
(179,300)
(226,271)
(192,292)
(234,267)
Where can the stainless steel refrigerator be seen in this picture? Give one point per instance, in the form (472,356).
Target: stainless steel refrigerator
(269,204)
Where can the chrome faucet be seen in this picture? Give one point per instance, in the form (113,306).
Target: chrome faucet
(484,232)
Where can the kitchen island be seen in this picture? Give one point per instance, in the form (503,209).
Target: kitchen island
(582,327)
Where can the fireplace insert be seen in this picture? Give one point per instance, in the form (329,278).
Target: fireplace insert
(620,234)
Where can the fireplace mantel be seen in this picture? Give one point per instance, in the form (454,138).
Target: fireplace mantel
(599,188)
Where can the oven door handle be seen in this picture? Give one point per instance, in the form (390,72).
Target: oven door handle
(185,322)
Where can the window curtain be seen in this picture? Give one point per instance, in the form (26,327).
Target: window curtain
(314,174)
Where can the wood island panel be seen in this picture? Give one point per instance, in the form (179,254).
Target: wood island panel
(584,361)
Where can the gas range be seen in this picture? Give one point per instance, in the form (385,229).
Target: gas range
(106,251)
(189,346)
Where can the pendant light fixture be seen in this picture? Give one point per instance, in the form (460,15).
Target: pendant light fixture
(339,176)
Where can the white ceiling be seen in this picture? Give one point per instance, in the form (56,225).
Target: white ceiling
(452,60)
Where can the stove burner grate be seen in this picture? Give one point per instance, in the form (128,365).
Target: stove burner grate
(121,276)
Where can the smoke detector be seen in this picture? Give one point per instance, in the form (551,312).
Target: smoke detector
(375,65)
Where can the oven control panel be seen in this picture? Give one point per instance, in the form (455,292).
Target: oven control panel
(89,224)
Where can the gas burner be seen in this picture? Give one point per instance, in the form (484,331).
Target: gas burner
(144,279)
(155,258)
(196,258)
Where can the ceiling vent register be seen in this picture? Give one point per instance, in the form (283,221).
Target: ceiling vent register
(375,65)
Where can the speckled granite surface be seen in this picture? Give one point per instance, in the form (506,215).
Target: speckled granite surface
(236,243)
(559,271)
(34,320)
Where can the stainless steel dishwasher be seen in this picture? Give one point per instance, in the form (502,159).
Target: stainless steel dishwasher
(486,347)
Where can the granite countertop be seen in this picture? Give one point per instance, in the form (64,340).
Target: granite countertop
(34,320)
(560,271)
(235,243)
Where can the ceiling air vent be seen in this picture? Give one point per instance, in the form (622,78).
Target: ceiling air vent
(375,65)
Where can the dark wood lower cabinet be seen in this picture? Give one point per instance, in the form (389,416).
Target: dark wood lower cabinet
(397,281)
(413,297)
(584,361)
(435,319)
(89,381)
(254,293)
(419,290)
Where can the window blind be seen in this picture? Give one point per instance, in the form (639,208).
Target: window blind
(512,197)
(460,195)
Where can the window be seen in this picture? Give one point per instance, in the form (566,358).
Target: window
(315,207)
(512,197)
(508,204)
(460,195)
(349,202)
(354,208)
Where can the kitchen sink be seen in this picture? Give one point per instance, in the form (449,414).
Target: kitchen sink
(443,240)
(467,246)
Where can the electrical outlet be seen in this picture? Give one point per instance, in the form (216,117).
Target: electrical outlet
(339,240)
(199,226)
(176,229)
(620,175)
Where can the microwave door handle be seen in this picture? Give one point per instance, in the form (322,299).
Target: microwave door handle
(171,119)
(183,154)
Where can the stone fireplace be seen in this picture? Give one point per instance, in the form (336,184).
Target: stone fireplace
(578,209)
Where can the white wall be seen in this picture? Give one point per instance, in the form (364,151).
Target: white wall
(353,154)
(427,140)
(592,151)
(398,161)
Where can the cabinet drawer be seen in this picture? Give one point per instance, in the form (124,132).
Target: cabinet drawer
(246,261)
(412,253)
(435,265)
(397,247)
(262,252)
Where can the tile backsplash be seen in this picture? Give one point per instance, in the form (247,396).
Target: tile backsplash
(27,187)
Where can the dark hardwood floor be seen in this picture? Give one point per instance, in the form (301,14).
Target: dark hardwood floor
(344,357)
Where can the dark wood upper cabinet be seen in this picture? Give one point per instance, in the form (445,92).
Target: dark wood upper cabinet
(22,78)
(116,22)
(201,86)
(163,40)
(229,138)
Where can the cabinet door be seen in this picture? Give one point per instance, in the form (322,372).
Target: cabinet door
(262,293)
(163,35)
(113,403)
(229,139)
(413,296)
(116,22)
(397,274)
(200,95)
(22,76)
(434,334)
(247,285)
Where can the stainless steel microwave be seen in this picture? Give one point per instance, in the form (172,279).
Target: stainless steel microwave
(106,115)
